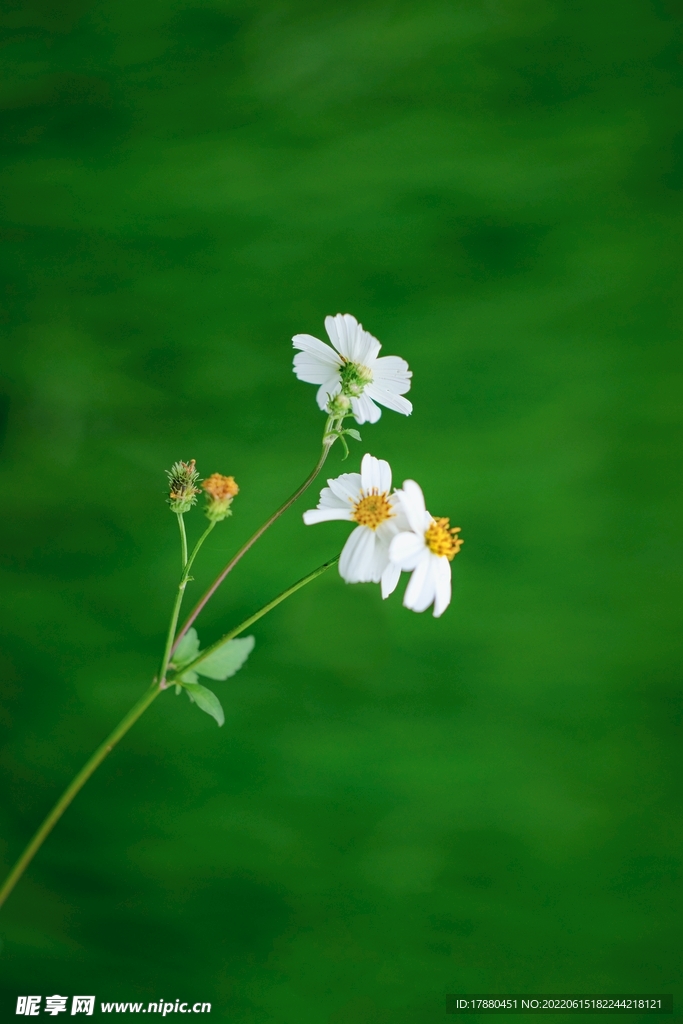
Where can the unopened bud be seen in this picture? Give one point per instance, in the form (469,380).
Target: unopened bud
(339,405)
(220,490)
(182,480)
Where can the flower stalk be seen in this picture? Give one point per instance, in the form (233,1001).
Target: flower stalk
(138,709)
(352,378)
(330,434)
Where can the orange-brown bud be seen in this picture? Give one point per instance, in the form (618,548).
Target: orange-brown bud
(220,490)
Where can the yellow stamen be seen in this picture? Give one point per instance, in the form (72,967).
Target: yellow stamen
(442,539)
(372,510)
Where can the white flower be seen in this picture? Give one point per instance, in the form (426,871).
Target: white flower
(353,369)
(426,550)
(364,498)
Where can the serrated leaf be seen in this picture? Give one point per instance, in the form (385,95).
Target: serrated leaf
(188,648)
(206,700)
(353,433)
(226,660)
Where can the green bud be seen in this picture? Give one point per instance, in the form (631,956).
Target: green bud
(182,480)
(339,405)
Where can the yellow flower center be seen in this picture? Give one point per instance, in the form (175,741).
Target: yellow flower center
(442,539)
(372,510)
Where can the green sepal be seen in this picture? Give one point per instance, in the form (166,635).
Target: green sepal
(227,659)
(353,433)
(188,648)
(205,699)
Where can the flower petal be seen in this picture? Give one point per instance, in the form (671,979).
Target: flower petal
(356,564)
(325,515)
(366,348)
(442,578)
(381,557)
(350,335)
(313,370)
(346,487)
(413,504)
(421,588)
(331,498)
(336,331)
(375,474)
(350,340)
(365,410)
(392,374)
(316,362)
(316,348)
(407,549)
(390,578)
(388,399)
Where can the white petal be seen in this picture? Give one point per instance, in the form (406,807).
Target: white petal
(366,348)
(390,578)
(336,331)
(330,388)
(421,588)
(407,549)
(313,370)
(357,557)
(413,504)
(352,332)
(387,530)
(315,348)
(375,475)
(325,515)
(346,487)
(365,410)
(392,374)
(390,400)
(331,498)
(442,576)
(380,559)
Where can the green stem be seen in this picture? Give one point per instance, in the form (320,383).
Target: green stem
(177,603)
(74,787)
(330,435)
(183,539)
(261,612)
(124,725)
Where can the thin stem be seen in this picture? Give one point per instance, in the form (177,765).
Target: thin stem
(177,603)
(125,724)
(262,611)
(183,539)
(74,787)
(328,440)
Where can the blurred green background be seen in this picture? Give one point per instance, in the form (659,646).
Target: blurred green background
(397,807)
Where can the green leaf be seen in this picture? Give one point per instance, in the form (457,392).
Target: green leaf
(188,648)
(353,433)
(187,677)
(226,660)
(206,700)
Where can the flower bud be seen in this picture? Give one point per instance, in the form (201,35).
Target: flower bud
(220,490)
(182,480)
(339,405)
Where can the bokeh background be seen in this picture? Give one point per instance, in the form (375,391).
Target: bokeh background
(397,807)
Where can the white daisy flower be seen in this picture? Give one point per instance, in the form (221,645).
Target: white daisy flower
(364,498)
(427,550)
(352,368)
